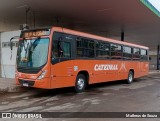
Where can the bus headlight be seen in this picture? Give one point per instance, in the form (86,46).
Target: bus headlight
(42,74)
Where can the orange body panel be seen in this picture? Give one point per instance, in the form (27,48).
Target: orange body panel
(64,74)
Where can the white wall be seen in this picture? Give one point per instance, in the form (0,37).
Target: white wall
(7,63)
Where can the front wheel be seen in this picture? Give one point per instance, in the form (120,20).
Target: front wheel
(130,77)
(80,83)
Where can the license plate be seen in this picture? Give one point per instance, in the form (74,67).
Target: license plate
(25,84)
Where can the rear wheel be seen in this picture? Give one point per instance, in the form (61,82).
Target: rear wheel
(130,77)
(80,83)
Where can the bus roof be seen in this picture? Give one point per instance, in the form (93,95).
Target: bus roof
(73,32)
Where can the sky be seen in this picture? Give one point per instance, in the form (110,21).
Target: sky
(156,4)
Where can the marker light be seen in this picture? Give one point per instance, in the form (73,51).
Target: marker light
(42,74)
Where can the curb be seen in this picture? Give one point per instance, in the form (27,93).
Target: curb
(10,89)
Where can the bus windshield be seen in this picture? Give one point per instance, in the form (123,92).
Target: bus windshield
(32,53)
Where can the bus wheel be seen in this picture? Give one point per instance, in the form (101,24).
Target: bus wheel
(80,83)
(130,77)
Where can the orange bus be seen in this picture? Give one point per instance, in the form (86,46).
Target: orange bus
(59,57)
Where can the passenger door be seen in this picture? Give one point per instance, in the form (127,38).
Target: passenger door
(62,54)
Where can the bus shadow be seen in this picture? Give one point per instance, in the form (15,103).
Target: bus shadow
(69,91)
(98,86)
(105,84)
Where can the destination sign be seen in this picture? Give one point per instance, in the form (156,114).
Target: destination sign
(36,33)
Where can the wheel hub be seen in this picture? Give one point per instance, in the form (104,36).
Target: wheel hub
(130,78)
(80,83)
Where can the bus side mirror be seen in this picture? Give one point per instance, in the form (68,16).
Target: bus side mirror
(11,45)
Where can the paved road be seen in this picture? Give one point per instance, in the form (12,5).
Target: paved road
(141,96)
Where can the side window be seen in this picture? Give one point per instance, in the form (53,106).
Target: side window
(65,49)
(85,48)
(57,37)
(144,55)
(116,51)
(136,54)
(60,48)
(127,52)
(102,49)
(79,47)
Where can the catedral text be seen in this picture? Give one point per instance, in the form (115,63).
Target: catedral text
(100,67)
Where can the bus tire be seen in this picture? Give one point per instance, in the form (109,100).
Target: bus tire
(130,77)
(80,83)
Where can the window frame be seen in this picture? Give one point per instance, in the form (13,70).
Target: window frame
(144,57)
(74,49)
(134,55)
(100,49)
(131,53)
(85,49)
(117,57)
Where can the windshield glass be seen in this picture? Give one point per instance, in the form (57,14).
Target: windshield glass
(32,53)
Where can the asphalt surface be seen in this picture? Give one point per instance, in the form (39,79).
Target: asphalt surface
(143,95)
